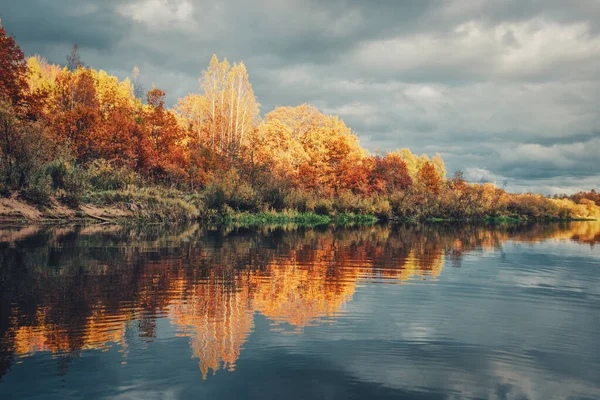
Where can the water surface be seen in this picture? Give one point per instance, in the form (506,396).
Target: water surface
(407,311)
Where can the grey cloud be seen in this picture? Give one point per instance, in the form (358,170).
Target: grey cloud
(473,80)
(38,23)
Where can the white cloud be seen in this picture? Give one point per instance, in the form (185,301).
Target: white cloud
(517,50)
(481,174)
(158,13)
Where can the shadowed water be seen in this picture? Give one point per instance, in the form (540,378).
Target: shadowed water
(407,311)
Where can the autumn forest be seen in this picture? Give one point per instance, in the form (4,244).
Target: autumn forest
(76,137)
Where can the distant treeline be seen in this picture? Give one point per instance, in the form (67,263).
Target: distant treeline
(76,134)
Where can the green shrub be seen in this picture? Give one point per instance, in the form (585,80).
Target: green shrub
(283,217)
(39,189)
(404,204)
(351,219)
(273,196)
(68,181)
(74,185)
(271,190)
(348,202)
(58,171)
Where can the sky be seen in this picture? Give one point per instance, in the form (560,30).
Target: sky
(508,91)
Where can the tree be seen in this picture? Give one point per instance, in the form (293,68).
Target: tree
(212,85)
(24,147)
(13,83)
(438,163)
(320,150)
(138,88)
(74,59)
(162,153)
(392,173)
(230,107)
(76,115)
(457,182)
(429,178)
(118,134)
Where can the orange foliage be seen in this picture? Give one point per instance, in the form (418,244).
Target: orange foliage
(320,152)
(12,70)
(429,178)
(162,155)
(389,174)
(299,149)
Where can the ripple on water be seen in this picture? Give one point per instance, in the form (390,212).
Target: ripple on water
(388,311)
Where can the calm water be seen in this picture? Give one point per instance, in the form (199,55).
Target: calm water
(410,311)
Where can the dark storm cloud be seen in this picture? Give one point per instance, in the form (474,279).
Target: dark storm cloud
(503,89)
(41,22)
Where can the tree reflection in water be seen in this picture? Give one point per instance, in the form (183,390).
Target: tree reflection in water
(67,290)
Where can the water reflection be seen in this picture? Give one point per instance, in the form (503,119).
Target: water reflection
(72,289)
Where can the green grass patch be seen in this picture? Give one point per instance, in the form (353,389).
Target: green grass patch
(504,219)
(351,218)
(298,218)
(436,219)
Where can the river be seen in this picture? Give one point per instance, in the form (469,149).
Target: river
(412,311)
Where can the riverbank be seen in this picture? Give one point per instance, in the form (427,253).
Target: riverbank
(149,206)
(15,210)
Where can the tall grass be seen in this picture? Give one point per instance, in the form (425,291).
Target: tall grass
(146,204)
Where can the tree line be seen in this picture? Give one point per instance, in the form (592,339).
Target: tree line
(70,131)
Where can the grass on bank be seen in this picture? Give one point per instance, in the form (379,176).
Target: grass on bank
(152,205)
(300,218)
(157,204)
(145,205)
(499,219)
(505,219)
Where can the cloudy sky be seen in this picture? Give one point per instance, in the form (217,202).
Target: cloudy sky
(505,90)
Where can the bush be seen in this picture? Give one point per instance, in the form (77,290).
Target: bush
(300,200)
(4,188)
(273,196)
(39,189)
(24,149)
(58,171)
(533,207)
(324,206)
(104,175)
(405,204)
(68,180)
(228,189)
(271,189)
(73,185)
(347,202)
(382,208)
